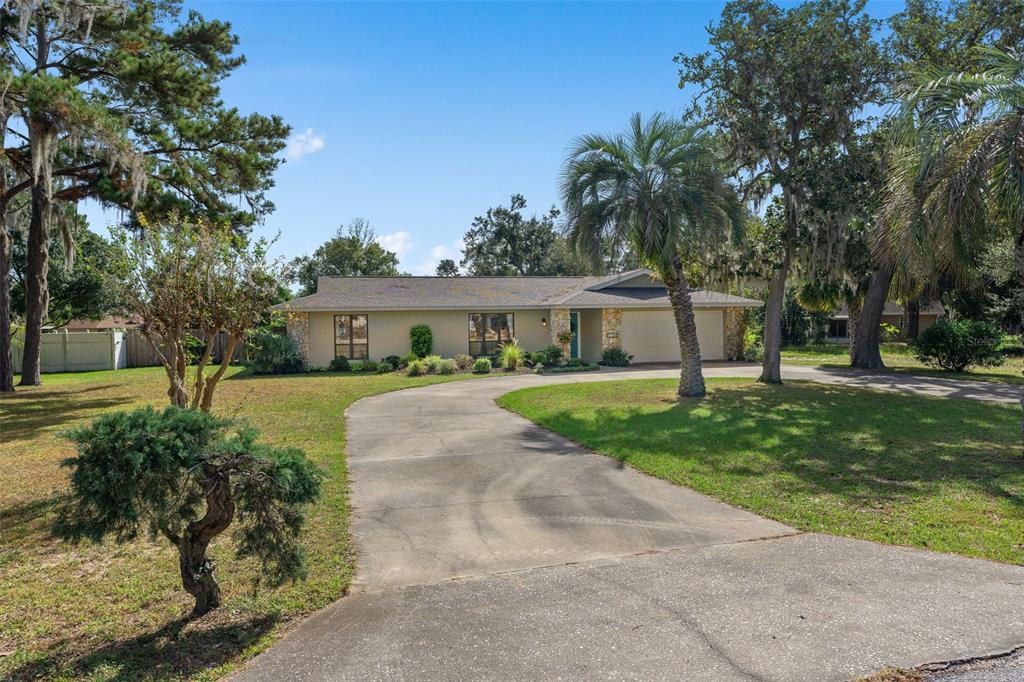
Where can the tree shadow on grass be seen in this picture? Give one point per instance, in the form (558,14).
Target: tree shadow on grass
(179,649)
(24,415)
(868,449)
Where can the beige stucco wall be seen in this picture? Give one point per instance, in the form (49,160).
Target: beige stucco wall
(389,331)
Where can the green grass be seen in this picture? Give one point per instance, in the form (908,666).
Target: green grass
(940,474)
(899,358)
(116,611)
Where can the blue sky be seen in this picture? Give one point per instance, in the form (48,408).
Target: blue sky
(420,116)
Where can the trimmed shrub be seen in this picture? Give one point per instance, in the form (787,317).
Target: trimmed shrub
(340,364)
(393,361)
(960,344)
(565,369)
(432,362)
(552,355)
(464,361)
(271,353)
(574,362)
(510,355)
(421,340)
(448,366)
(370,365)
(537,358)
(615,357)
(407,360)
(482,366)
(416,368)
(385,367)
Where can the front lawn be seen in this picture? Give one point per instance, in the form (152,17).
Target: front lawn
(941,474)
(899,358)
(115,612)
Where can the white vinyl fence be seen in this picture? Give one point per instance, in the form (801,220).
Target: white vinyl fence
(79,351)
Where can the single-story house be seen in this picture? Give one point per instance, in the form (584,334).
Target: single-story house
(370,317)
(893,313)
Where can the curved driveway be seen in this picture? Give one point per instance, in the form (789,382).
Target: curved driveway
(492,549)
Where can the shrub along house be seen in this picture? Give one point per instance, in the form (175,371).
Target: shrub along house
(370,317)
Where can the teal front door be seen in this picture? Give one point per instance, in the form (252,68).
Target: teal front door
(574,327)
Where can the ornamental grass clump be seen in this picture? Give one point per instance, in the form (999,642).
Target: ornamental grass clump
(510,356)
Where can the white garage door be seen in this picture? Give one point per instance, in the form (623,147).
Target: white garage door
(650,335)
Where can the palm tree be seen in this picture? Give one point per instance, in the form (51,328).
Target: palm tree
(657,187)
(957,183)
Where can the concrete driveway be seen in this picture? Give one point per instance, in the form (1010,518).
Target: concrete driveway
(492,549)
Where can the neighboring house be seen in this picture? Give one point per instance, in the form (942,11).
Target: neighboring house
(894,314)
(370,317)
(104,325)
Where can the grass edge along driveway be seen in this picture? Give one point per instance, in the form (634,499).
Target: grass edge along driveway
(116,611)
(933,473)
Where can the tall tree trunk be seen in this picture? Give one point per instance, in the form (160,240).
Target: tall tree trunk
(771,365)
(853,307)
(913,319)
(6,357)
(37,295)
(866,353)
(691,377)
(196,569)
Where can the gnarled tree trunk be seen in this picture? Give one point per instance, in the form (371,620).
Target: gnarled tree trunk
(865,352)
(196,569)
(771,365)
(37,294)
(691,377)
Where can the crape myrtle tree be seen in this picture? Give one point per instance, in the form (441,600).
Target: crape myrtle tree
(119,102)
(186,476)
(181,276)
(786,88)
(659,187)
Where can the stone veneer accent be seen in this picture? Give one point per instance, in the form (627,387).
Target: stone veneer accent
(558,322)
(611,328)
(298,329)
(735,330)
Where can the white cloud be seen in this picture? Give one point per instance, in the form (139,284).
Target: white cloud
(399,242)
(301,144)
(438,252)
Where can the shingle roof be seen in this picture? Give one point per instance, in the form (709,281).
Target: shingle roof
(419,293)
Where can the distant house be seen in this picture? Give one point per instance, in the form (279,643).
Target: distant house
(104,325)
(894,314)
(370,317)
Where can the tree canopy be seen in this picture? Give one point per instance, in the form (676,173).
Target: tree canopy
(353,252)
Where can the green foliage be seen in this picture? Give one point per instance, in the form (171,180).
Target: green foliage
(464,361)
(353,252)
(552,355)
(447,268)
(87,290)
(503,242)
(407,360)
(510,356)
(416,368)
(340,364)
(393,362)
(537,358)
(890,332)
(432,363)
(614,356)
(482,366)
(370,365)
(270,353)
(957,345)
(421,340)
(152,473)
(571,367)
(448,366)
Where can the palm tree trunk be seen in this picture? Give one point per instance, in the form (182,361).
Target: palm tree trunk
(771,365)
(866,353)
(37,295)
(691,378)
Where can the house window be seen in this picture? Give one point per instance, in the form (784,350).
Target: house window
(837,329)
(351,337)
(487,331)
